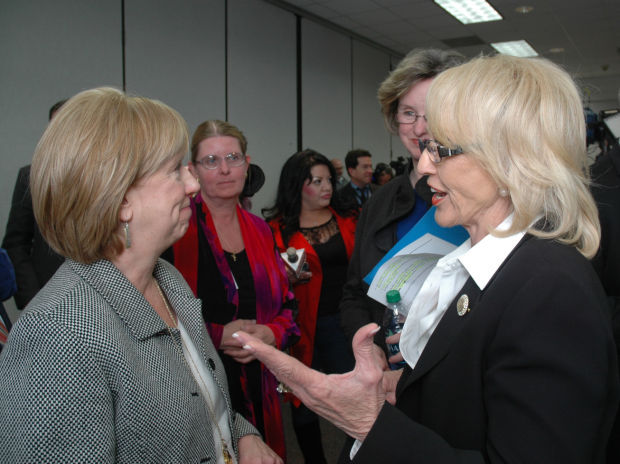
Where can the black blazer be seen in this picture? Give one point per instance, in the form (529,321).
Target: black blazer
(375,235)
(606,192)
(529,375)
(34,261)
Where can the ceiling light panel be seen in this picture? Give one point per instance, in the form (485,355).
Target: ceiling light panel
(470,11)
(515,48)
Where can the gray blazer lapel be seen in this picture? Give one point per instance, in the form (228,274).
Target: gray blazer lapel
(189,310)
(439,344)
(125,299)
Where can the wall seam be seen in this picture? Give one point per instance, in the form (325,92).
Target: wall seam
(299,85)
(123,47)
(226,103)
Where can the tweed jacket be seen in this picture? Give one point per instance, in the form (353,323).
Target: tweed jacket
(91,374)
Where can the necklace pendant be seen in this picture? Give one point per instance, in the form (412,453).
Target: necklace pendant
(234,257)
(227,457)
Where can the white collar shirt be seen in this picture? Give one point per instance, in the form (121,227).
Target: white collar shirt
(444,282)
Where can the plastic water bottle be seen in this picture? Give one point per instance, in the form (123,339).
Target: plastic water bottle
(393,320)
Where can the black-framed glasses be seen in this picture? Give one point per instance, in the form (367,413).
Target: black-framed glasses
(408,117)
(437,151)
(233,160)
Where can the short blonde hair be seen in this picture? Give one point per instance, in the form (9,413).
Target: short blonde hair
(522,120)
(419,64)
(99,144)
(216,128)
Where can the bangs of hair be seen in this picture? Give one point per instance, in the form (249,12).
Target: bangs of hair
(159,133)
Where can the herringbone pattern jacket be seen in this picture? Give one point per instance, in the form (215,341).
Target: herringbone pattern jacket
(91,374)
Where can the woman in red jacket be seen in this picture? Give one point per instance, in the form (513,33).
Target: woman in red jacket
(305,215)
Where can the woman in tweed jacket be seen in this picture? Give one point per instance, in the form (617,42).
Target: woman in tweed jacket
(111,361)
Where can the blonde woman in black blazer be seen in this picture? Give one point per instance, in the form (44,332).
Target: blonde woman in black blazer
(111,361)
(509,351)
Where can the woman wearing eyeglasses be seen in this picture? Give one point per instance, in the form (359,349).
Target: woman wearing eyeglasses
(396,207)
(228,257)
(509,349)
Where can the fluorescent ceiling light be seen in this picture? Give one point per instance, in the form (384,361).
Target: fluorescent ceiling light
(470,11)
(515,48)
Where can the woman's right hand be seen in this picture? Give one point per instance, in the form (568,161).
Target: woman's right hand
(231,346)
(350,401)
(304,276)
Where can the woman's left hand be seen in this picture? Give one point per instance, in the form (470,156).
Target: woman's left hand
(253,450)
(350,401)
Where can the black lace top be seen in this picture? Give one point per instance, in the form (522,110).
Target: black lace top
(329,246)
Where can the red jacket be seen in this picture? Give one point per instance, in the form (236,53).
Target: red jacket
(308,294)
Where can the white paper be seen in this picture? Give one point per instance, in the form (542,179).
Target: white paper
(408,269)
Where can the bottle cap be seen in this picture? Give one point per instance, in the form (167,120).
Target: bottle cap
(393,296)
(292,254)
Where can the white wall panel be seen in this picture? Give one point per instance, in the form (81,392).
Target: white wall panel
(175,52)
(326,90)
(262,86)
(370,67)
(49,51)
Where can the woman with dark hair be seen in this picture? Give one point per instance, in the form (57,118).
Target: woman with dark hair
(307,215)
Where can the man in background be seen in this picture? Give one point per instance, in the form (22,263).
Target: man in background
(33,260)
(359,167)
(339,167)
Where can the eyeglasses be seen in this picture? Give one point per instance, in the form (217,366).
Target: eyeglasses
(408,117)
(437,151)
(233,160)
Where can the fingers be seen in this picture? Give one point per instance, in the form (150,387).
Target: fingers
(239,355)
(252,450)
(286,368)
(364,349)
(380,356)
(262,332)
(392,339)
(396,358)
(390,381)
(230,328)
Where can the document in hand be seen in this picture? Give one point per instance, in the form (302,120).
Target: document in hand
(408,263)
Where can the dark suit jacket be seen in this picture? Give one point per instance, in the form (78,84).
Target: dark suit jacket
(90,373)
(606,192)
(348,194)
(529,375)
(34,261)
(374,236)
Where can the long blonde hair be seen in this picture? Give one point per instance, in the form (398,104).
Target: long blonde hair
(522,120)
